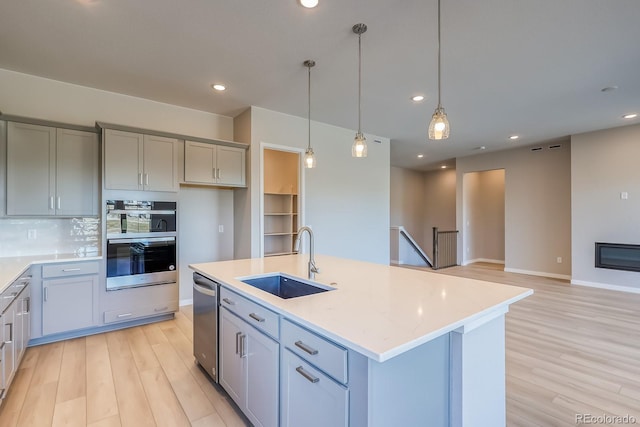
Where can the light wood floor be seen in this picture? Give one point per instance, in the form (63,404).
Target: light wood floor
(570,350)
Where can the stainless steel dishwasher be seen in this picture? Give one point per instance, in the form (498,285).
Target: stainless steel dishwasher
(205,324)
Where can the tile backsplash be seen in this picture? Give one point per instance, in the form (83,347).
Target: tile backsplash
(34,236)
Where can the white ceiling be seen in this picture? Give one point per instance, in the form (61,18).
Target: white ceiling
(532,68)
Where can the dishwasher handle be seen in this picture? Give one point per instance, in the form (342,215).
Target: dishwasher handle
(203,290)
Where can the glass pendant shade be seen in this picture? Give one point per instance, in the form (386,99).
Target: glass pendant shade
(359,147)
(309,159)
(439,126)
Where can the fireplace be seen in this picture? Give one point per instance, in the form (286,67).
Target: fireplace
(618,256)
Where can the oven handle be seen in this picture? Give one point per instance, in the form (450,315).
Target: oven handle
(143,239)
(203,290)
(140,212)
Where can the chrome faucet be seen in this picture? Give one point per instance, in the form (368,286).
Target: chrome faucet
(313,269)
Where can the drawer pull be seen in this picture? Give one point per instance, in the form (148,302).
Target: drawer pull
(307,375)
(256,317)
(68,270)
(119,316)
(161,309)
(306,348)
(228,301)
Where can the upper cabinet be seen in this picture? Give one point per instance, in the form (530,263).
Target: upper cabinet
(133,161)
(51,171)
(214,164)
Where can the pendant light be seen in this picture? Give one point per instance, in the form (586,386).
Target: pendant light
(359,148)
(439,126)
(309,156)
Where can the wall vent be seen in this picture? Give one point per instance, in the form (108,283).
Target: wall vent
(555,147)
(536,149)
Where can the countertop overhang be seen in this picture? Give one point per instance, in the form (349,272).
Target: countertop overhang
(377,310)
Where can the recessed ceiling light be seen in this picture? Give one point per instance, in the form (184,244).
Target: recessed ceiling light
(609,89)
(219,87)
(443,167)
(417,98)
(482,147)
(420,156)
(309,4)
(630,116)
(514,137)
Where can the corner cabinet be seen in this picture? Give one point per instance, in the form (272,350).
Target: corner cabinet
(280,223)
(51,171)
(212,164)
(134,161)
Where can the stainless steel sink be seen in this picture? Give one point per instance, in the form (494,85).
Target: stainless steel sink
(285,286)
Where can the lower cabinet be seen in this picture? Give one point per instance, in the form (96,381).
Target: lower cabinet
(69,296)
(249,369)
(309,397)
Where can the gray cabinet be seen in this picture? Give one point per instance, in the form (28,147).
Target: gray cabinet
(69,297)
(51,171)
(249,361)
(214,164)
(14,329)
(133,161)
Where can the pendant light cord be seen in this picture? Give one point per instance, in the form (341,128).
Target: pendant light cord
(309,109)
(359,82)
(439,62)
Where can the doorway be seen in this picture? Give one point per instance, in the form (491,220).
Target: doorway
(483,212)
(281,199)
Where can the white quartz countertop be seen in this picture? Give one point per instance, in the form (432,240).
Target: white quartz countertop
(377,310)
(11,268)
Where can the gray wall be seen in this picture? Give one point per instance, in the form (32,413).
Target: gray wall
(408,202)
(440,204)
(483,210)
(604,164)
(346,200)
(537,207)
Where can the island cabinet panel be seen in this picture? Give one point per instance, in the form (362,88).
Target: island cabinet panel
(249,362)
(51,171)
(309,397)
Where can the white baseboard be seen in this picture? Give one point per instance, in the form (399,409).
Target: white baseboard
(491,261)
(538,273)
(185,302)
(606,286)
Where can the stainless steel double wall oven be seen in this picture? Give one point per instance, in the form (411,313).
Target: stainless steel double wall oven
(141,243)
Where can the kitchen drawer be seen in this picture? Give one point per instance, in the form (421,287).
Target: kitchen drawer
(324,354)
(113,316)
(70,269)
(254,314)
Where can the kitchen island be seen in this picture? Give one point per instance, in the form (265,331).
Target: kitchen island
(420,348)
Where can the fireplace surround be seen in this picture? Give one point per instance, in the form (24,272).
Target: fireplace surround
(618,256)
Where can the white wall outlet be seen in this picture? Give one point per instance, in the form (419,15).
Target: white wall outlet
(624,195)
(32,234)
(221,228)
(559,260)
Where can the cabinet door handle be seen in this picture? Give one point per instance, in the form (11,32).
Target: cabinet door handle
(10,325)
(312,351)
(119,316)
(219,174)
(51,203)
(67,270)
(214,173)
(228,301)
(146,179)
(27,300)
(59,202)
(256,317)
(243,346)
(140,179)
(307,375)
(45,296)
(238,341)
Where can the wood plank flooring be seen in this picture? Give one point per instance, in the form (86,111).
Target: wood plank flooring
(142,376)
(570,350)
